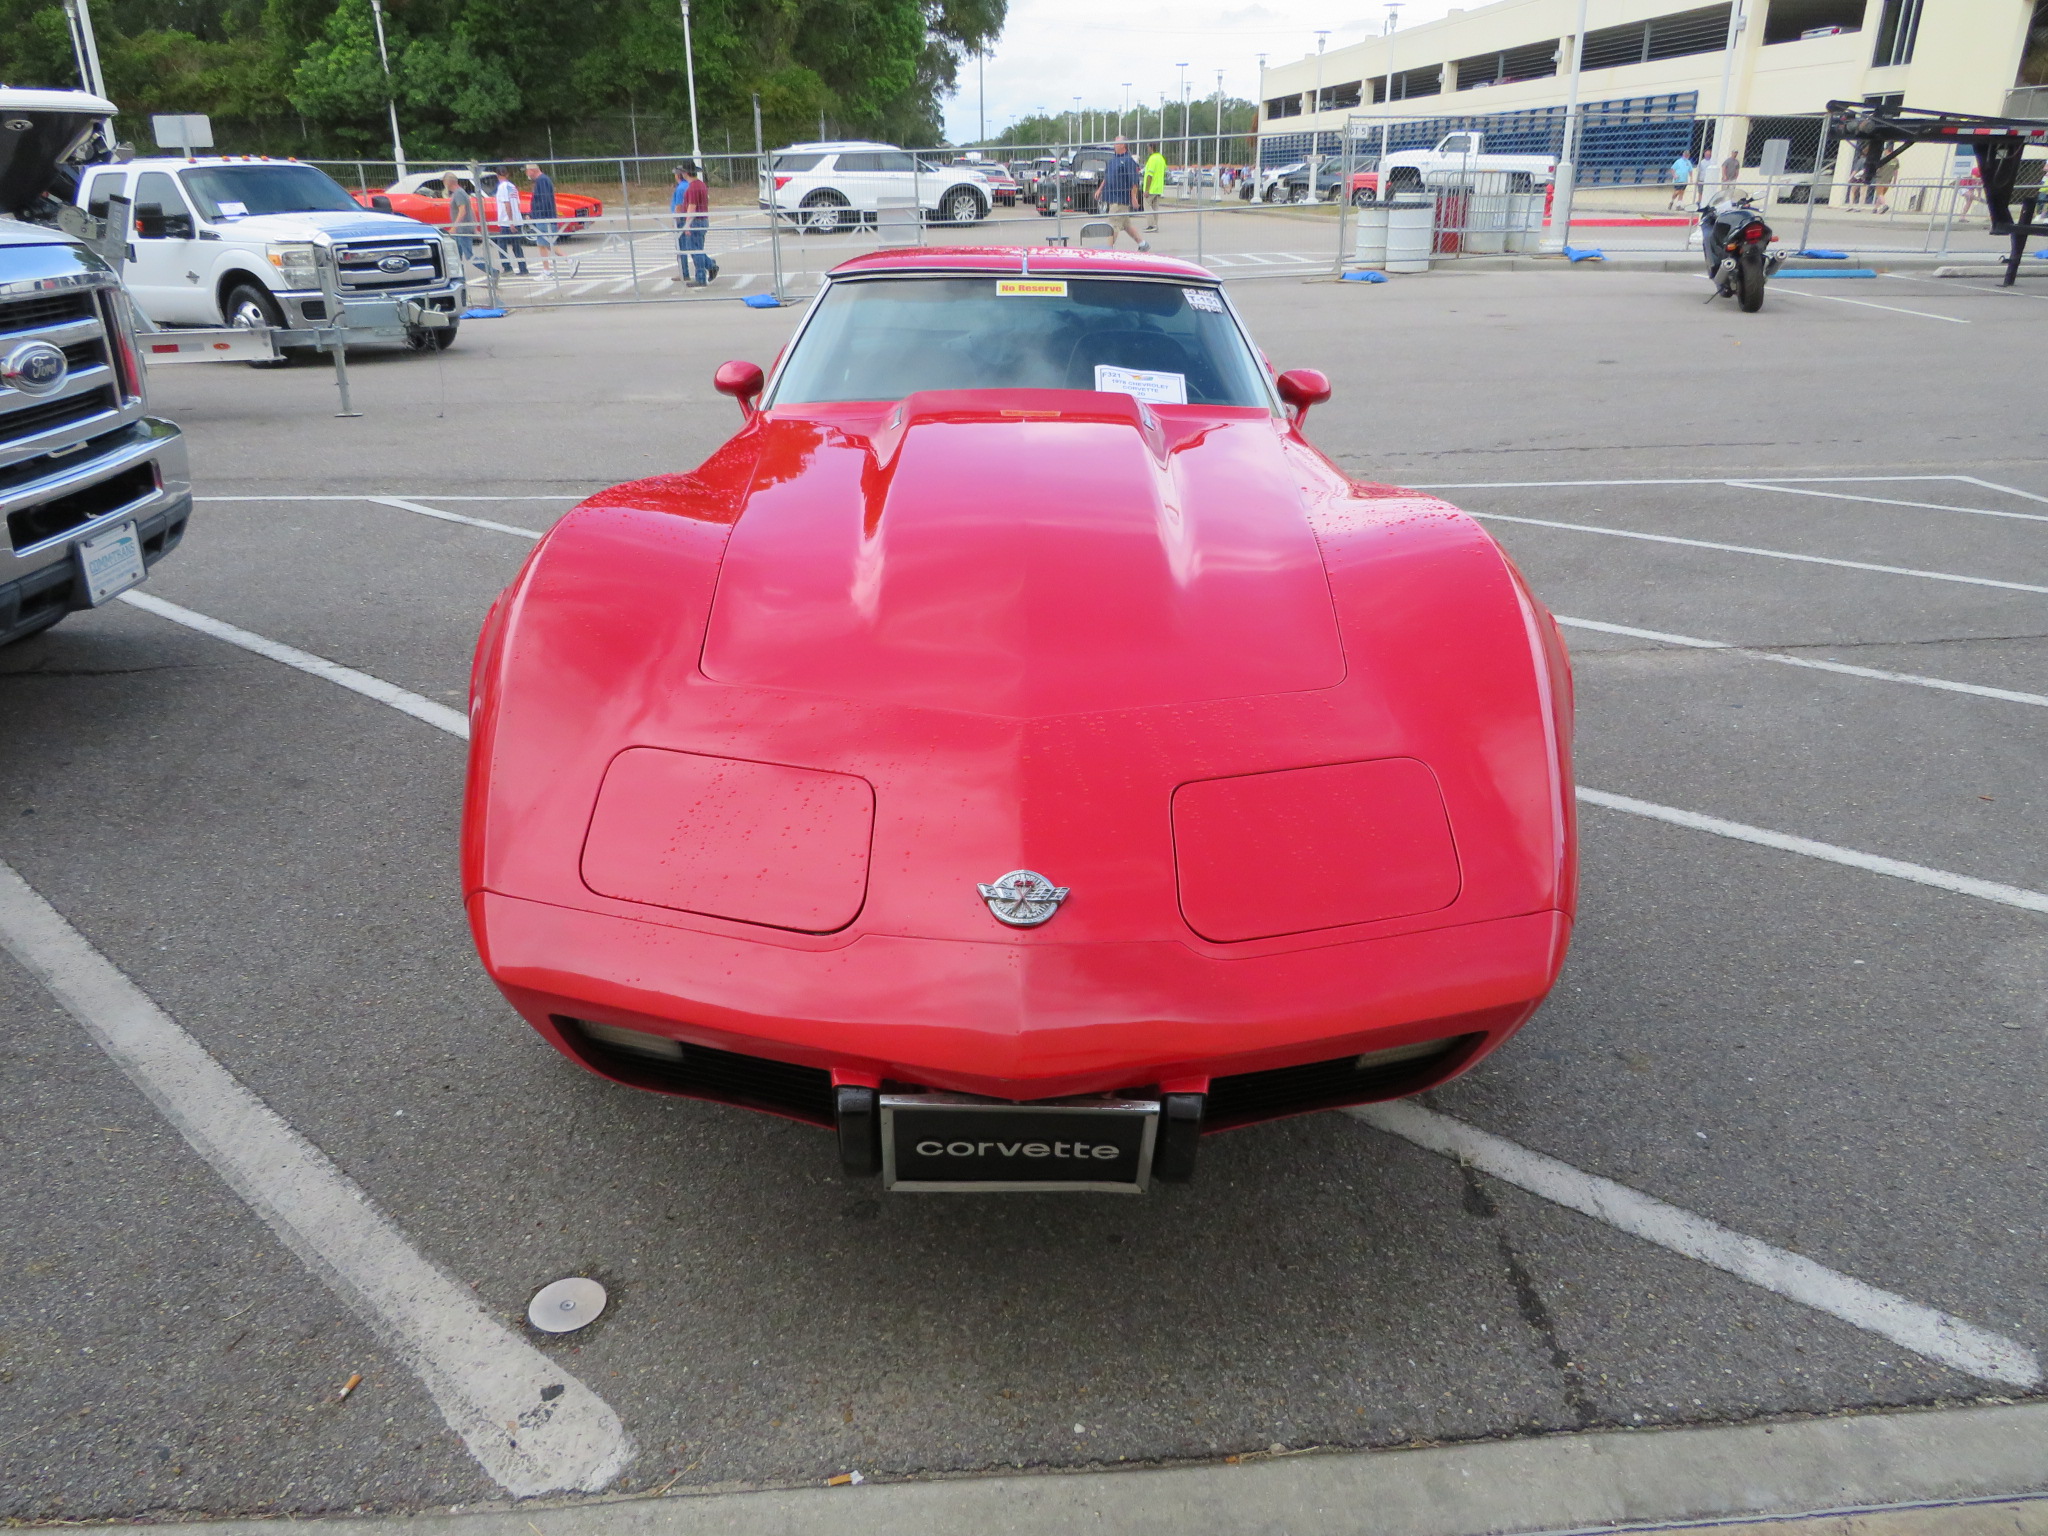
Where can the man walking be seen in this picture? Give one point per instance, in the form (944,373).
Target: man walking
(1681,178)
(464,222)
(541,214)
(691,204)
(1155,184)
(1120,196)
(511,239)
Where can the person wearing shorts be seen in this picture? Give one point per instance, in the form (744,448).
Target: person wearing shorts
(541,213)
(1120,197)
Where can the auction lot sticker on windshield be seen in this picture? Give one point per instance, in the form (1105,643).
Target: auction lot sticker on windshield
(230,210)
(1152,388)
(1031,287)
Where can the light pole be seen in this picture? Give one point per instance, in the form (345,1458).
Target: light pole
(981,93)
(390,96)
(690,77)
(1074,142)
(1736,22)
(1315,136)
(1183,68)
(1123,111)
(1559,234)
(1219,135)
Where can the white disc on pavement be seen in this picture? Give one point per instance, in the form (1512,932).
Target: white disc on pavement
(566,1305)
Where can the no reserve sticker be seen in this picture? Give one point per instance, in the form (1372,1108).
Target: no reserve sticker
(1031,288)
(1152,388)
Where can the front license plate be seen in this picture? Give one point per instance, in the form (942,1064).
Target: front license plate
(110,561)
(936,1141)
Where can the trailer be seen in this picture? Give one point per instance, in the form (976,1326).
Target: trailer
(1881,134)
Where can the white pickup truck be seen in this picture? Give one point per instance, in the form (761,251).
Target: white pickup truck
(1459,160)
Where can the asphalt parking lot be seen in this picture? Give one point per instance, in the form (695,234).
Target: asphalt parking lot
(1803,560)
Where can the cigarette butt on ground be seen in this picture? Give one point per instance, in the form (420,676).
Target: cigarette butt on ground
(349,1386)
(844,1479)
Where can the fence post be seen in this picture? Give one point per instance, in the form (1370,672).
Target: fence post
(1820,155)
(765,180)
(632,255)
(1343,200)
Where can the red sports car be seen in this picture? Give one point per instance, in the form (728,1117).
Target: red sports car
(422,196)
(1021,829)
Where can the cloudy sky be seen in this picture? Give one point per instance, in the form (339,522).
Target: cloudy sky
(1053,50)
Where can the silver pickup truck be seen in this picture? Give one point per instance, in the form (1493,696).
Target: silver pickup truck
(93,489)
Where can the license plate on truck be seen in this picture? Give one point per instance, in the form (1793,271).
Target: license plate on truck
(947,1142)
(110,562)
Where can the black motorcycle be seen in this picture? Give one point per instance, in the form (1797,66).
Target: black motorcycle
(1736,242)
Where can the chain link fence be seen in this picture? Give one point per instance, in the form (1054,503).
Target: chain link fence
(1278,205)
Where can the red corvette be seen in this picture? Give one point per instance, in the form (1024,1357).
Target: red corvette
(1021,830)
(422,196)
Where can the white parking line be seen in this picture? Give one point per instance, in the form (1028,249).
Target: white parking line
(453,721)
(1923,1330)
(2009,695)
(450,517)
(1835,298)
(1875,863)
(1882,501)
(1771,554)
(530,1424)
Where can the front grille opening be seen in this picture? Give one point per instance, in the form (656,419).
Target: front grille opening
(32,525)
(725,1077)
(60,459)
(1249,1097)
(49,309)
(90,353)
(313,309)
(51,414)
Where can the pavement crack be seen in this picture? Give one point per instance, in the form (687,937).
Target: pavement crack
(1529,1301)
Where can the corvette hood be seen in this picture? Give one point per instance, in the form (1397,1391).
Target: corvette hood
(1024,555)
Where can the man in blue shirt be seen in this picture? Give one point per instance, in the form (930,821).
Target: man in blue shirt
(1120,180)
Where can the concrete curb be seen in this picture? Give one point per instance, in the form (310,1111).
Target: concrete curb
(1946,1465)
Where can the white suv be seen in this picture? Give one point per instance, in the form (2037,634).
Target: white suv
(831,187)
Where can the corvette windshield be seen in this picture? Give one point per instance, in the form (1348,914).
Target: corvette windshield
(235,190)
(882,339)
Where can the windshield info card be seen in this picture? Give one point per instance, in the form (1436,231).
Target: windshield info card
(1152,388)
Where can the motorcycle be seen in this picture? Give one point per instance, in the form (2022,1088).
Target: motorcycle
(1736,242)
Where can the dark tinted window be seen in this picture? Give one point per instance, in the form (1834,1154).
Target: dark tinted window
(886,338)
(792,164)
(158,206)
(895,160)
(103,185)
(857,161)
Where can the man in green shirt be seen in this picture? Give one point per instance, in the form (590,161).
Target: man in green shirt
(1155,185)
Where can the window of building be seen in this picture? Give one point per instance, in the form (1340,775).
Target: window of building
(1426,81)
(1532,61)
(2034,57)
(1793,21)
(1283,106)
(1898,27)
(1336,97)
(1661,37)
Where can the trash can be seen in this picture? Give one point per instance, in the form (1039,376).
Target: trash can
(1486,223)
(1369,240)
(1411,226)
(1525,220)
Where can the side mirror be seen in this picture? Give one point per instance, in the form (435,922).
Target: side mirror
(1301,388)
(744,381)
(149,221)
(380,203)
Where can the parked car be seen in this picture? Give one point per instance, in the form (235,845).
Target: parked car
(422,196)
(1292,185)
(828,188)
(1072,187)
(1020,828)
(1002,186)
(96,489)
(233,240)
